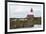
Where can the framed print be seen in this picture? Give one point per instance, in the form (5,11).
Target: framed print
(24,16)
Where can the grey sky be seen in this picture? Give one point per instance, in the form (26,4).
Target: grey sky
(21,10)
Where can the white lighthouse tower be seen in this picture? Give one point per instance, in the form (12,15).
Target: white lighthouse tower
(30,13)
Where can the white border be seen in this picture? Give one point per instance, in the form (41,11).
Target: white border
(22,29)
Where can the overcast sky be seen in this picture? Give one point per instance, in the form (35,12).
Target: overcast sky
(20,10)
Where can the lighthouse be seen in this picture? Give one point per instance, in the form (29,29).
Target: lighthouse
(30,13)
(30,18)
